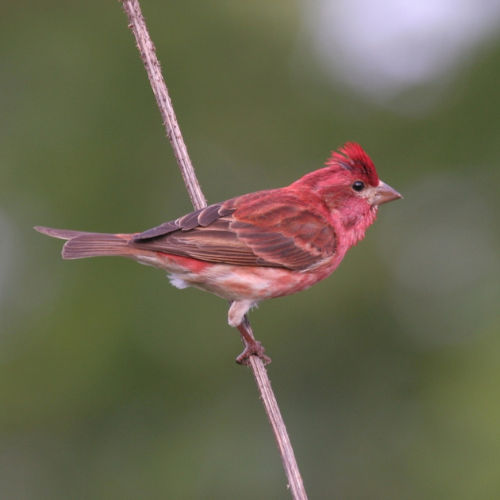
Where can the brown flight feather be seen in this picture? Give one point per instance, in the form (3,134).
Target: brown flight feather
(283,234)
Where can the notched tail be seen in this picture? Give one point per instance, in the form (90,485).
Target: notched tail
(81,244)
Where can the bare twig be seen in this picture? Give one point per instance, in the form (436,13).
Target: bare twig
(277,423)
(152,65)
(153,69)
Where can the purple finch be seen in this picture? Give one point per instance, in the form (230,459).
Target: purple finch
(259,245)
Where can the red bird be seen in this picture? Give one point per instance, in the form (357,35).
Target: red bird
(259,245)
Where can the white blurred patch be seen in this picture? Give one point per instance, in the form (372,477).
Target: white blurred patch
(382,48)
(177,281)
(440,247)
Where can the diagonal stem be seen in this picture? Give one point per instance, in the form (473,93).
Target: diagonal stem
(152,65)
(148,55)
(270,403)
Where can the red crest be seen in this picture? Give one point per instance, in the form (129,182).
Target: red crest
(354,158)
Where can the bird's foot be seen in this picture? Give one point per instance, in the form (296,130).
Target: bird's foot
(254,348)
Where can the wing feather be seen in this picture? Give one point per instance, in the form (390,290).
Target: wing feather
(261,229)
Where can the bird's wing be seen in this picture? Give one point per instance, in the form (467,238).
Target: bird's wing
(268,228)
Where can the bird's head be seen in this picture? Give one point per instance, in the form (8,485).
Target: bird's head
(350,188)
(353,172)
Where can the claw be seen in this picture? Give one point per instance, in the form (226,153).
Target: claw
(254,348)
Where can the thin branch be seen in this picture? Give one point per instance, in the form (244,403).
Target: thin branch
(152,65)
(148,55)
(285,447)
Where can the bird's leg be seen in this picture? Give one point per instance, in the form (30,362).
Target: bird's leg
(252,347)
(237,317)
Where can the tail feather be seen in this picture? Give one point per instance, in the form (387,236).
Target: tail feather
(81,244)
(63,234)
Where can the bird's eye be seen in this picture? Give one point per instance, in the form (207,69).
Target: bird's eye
(358,186)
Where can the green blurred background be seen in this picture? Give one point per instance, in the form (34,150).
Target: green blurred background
(113,384)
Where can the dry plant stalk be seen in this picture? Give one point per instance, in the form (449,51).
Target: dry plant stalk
(153,69)
(152,65)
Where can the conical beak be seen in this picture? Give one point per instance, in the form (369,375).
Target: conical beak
(384,193)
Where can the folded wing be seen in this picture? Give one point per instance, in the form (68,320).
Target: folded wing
(267,228)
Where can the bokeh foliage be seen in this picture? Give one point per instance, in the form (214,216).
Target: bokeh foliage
(115,385)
